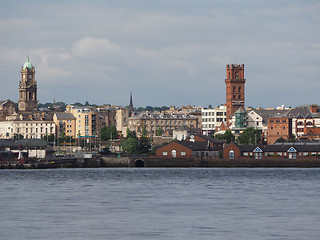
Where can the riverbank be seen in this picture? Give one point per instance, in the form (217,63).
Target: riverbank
(131,162)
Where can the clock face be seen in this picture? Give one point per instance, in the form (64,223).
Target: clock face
(29,76)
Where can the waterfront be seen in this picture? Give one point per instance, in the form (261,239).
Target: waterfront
(149,203)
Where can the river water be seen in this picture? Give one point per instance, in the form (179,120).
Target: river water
(144,203)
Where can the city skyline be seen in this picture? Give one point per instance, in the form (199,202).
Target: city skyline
(165,53)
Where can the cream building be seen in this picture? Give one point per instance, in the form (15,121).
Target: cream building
(65,123)
(122,117)
(87,120)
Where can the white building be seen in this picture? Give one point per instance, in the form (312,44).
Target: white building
(26,128)
(212,118)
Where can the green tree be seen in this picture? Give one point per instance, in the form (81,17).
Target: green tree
(78,104)
(228,136)
(281,140)
(130,145)
(144,145)
(107,133)
(250,136)
(148,108)
(62,137)
(159,131)
(131,134)
(144,131)
(49,138)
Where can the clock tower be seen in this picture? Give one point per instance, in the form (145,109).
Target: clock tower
(28,88)
(235,88)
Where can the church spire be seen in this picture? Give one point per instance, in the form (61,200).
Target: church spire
(131,103)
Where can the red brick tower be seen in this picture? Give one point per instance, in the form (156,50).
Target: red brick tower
(235,88)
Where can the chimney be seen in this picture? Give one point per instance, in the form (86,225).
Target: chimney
(314,108)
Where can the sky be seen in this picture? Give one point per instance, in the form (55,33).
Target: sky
(166,52)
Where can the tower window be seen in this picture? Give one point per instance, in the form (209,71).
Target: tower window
(239,89)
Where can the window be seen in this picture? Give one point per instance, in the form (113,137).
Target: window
(165,153)
(174,153)
(231,154)
(183,153)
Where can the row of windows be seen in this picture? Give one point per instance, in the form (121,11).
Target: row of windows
(278,121)
(308,123)
(282,153)
(36,130)
(221,119)
(211,126)
(173,153)
(213,114)
(277,127)
(163,122)
(37,124)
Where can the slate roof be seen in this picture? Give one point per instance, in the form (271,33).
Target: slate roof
(208,138)
(183,128)
(164,116)
(196,146)
(65,116)
(283,147)
(30,143)
(3,102)
(303,110)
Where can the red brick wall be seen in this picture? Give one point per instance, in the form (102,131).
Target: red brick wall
(228,148)
(279,127)
(174,146)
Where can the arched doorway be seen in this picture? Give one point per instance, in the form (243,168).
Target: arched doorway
(139,163)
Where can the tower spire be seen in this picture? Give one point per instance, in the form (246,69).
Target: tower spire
(131,103)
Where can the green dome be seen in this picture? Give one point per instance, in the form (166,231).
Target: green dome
(27,65)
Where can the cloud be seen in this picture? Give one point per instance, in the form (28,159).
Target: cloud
(166,52)
(89,46)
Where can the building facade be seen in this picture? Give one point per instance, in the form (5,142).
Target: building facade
(87,120)
(7,108)
(274,151)
(27,128)
(122,117)
(279,127)
(165,121)
(65,123)
(212,118)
